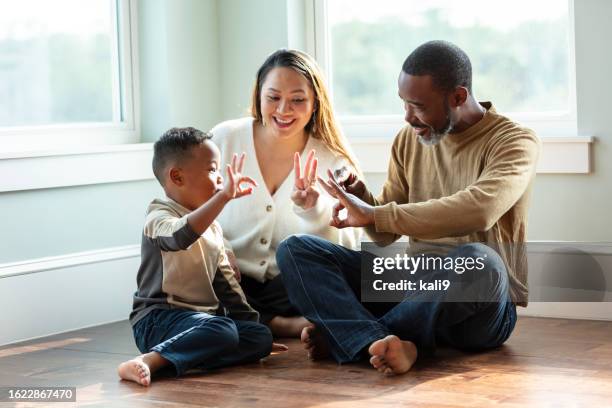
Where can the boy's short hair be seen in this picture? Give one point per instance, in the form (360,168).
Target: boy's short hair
(175,146)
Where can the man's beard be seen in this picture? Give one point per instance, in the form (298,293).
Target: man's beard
(435,135)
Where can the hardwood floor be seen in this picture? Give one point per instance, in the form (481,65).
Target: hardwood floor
(546,362)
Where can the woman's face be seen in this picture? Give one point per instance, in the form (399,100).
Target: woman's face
(287,102)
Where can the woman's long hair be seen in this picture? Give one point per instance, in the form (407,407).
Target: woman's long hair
(322,124)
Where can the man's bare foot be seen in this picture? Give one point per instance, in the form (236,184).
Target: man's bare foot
(392,355)
(288,326)
(135,370)
(315,342)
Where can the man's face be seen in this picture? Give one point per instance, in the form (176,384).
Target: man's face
(427,108)
(201,175)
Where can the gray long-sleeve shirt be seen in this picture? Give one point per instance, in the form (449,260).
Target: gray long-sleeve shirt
(181,269)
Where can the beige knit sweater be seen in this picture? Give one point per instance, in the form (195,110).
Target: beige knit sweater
(473,186)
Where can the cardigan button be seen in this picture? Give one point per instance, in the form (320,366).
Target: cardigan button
(268,208)
(262,263)
(263,241)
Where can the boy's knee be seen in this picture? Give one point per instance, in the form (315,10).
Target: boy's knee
(262,339)
(224,330)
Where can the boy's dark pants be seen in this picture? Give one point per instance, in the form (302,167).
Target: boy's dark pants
(190,339)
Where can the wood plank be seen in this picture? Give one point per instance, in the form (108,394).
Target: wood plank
(547,362)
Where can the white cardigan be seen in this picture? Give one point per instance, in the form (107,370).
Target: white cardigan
(254,225)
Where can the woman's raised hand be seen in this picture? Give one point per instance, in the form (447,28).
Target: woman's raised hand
(304,193)
(233,184)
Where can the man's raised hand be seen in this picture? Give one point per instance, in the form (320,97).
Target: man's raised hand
(359,213)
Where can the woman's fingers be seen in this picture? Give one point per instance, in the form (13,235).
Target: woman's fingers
(234,158)
(307,167)
(297,170)
(313,173)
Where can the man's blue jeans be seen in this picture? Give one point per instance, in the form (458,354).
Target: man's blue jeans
(322,280)
(190,339)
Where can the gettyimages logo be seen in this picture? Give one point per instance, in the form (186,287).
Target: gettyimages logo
(474,272)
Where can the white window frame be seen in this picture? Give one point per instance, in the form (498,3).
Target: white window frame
(15,141)
(564,150)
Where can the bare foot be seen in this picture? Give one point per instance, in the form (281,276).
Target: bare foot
(135,370)
(139,369)
(315,342)
(288,326)
(392,355)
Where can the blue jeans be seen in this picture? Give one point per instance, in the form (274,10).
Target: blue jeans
(190,339)
(322,280)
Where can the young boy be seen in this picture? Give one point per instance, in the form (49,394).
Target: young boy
(189,310)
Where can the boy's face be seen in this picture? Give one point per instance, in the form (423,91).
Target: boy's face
(199,176)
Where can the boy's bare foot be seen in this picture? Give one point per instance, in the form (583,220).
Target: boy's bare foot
(139,369)
(315,342)
(392,355)
(135,370)
(288,326)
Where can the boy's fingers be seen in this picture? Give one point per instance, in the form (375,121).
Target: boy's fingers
(241,162)
(230,174)
(246,191)
(247,179)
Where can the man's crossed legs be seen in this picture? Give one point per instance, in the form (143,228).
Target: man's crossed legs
(323,282)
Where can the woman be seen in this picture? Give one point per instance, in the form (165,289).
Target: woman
(291,116)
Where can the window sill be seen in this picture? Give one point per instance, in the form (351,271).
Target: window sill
(132,162)
(75,167)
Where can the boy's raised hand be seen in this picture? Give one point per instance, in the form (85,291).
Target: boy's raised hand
(233,184)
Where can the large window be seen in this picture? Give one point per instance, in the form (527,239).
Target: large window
(521,52)
(65,66)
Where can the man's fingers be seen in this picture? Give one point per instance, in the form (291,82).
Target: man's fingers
(340,193)
(327,187)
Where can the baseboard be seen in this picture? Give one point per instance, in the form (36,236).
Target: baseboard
(68,260)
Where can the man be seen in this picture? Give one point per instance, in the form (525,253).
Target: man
(460,173)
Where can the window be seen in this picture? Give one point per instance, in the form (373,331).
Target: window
(65,73)
(522,61)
